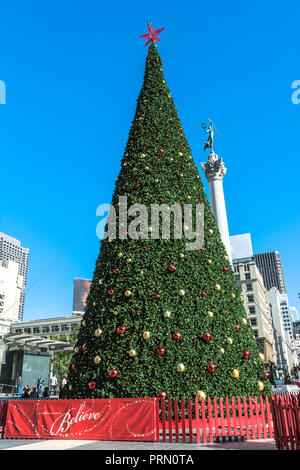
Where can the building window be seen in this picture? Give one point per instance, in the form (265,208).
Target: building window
(27,330)
(247,276)
(55,328)
(246,267)
(250,298)
(36,330)
(252,310)
(255,333)
(64,327)
(238,277)
(236,268)
(253,321)
(249,287)
(45,329)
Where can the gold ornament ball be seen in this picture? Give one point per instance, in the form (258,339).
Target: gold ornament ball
(181,255)
(167,314)
(229,340)
(146,335)
(209,261)
(217,287)
(210,314)
(100,282)
(83,323)
(226,257)
(115,312)
(233,296)
(222,350)
(189,197)
(260,386)
(181,175)
(244,321)
(70,387)
(127,293)
(98,332)
(180,367)
(120,255)
(180,154)
(149,229)
(201,395)
(129,260)
(142,155)
(211,231)
(97,360)
(181,292)
(262,357)
(132,353)
(235,373)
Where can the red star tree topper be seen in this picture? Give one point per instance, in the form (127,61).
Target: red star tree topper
(152,35)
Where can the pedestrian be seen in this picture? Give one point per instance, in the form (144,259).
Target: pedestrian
(34,392)
(46,393)
(19,384)
(40,384)
(53,384)
(25,392)
(63,384)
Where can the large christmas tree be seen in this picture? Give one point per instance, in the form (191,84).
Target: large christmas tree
(160,317)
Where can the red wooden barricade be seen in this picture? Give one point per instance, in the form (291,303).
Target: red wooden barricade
(214,420)
(286,418)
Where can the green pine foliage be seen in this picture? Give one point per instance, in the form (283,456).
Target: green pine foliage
(157,167)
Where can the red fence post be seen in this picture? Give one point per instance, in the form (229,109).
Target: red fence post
(170,420)
(190,416)
(163,419)
(204,424)
(228,418)
(197,421)
(176,415)
(217,434)
(183,420)
(210,421)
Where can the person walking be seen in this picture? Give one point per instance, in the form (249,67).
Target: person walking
(53,384)
(25,392)
(19,384)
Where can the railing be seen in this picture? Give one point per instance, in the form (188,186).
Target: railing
(286,418)
(213,420)
(10,388)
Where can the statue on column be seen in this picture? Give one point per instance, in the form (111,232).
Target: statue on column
(209,129)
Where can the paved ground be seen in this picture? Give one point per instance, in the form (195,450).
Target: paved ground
(34,444)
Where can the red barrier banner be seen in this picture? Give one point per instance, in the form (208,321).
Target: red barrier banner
(118,419)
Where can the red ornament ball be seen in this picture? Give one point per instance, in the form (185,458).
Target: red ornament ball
(267,375)
(237,327)
(160,351)
(176,335)
(206,336)
(211,367)
(156,296)
(84,347)
(225,269)
(161,395)
(202,249)
(111,292)
(172,268)
(203,294)
(113,373)
(92,385)
(116,271)
(161,151)
(121,329)
(246,354)
(73,367)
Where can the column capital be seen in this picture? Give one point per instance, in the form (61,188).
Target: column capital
(214,168)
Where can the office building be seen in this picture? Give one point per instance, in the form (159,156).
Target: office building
(270,267)
(11,250)
(11,284)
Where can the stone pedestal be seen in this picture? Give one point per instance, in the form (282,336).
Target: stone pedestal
(215,170)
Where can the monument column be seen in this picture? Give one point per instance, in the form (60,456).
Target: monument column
(215,170)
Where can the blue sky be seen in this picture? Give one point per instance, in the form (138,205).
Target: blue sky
(73,71)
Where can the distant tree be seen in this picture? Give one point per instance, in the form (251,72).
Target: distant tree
(61,360)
